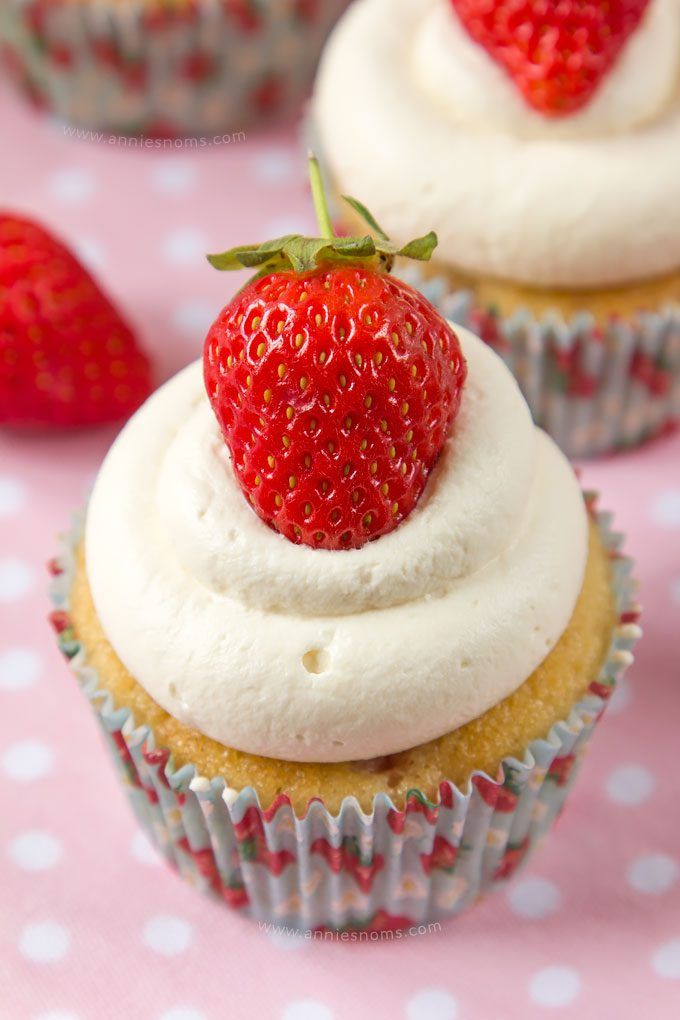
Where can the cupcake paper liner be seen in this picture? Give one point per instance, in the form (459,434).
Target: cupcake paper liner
(594,389)
(206,68)
(389,869)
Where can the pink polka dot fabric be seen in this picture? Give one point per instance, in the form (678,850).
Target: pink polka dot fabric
(92,924)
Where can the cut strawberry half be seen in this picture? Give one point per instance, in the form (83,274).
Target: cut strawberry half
(557,52)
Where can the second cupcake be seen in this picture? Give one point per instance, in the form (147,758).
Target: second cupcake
(543,145)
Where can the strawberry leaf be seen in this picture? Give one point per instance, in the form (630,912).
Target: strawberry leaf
(304,254)
(420,248)
(366,216)
(355,247)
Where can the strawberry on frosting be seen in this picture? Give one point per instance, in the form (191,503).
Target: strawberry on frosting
(335,385)
(557,52)
(541,139)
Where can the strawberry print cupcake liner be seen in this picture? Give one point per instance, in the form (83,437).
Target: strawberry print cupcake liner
(164,69)
(391,868)
(594,389)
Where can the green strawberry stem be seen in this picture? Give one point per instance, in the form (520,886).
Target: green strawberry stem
(319,197)
(304,254)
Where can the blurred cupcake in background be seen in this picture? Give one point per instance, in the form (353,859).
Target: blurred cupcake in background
(544,149)
(166,67)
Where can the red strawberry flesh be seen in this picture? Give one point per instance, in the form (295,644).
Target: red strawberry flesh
(335,390)
(66,355)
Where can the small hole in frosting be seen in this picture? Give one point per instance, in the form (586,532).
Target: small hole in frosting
(316,660)
(173,690)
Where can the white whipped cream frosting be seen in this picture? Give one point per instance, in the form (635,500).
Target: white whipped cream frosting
(430,132)
(313,655)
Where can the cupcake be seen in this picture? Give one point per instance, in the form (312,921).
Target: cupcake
(543,146)
(341,609)
(166,68)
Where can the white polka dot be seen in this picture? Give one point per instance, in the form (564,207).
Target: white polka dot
(554,986)
(16,579)
(666,960)
(432,1004)
(19,669)
(182,1013)
(167,935)
(12,496)
(666,509)
(143,850)
(184,247)
(307,1009)
(195,317)
(629,785)
(27,760)
(534,898)
(90,252)
(653,873)
(173,176)
(44,941)
(72,185)
(58,1014)
(287,942)
(35,851)
(622,696)
(275,166)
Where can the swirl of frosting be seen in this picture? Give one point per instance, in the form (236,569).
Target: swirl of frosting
(312,655)
(585,201)
(452,533)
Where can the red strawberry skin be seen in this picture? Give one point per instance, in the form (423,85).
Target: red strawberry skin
(66,356)
(335,390)
(556,51)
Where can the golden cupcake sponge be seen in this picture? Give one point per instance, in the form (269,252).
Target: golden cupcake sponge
(545,698)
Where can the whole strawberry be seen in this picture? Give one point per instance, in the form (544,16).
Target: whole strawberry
(66,356)
(334,384)
(556,51)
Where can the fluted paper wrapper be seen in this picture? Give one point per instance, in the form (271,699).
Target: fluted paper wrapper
(594,389)
(391,868)
(205,68)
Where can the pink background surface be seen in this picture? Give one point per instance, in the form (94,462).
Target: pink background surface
(91,924)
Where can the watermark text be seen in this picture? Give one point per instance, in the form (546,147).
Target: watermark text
(355,935)
(144,142)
